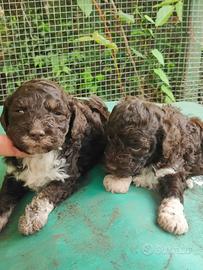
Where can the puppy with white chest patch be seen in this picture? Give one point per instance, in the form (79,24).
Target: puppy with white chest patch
(64,137)
(154,147)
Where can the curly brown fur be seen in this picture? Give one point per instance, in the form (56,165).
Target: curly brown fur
(65,137)
(141,133)
(134,137)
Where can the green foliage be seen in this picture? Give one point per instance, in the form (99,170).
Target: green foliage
(40,61)
(167,9)
(59,65)
(166,2)
(162,75)
(125,17)
(179,10)
(9,69)
(163,15)
(86,6)
(100,39)
(72,47)
(84,39)
(158,55)
(169,95)
(149,19)
(137,53)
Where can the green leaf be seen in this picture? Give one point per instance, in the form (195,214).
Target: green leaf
(9,69)
(141,32)
(59,65)
(76,55)
(44,27)
(163,15)
(85,6)
(158,55)
(89,82)
(87,75)
(125,17)
(166,2)
(100,77)
(84,39)
(149,19)
(66,69)
(162,75)
(99,39)
(103,41)
(169,95)
(40,61)
(151,32)
(93,89)
(54,60)
(179,10)
(137,53)
(167,100)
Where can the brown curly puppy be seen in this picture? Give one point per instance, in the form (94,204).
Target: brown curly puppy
(64,137)
(154,146)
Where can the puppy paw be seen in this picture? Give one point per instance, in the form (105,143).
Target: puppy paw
(190,183)
(117,185)
(35,216)
(171,216)
(164,171)
(146,179)
(4,217)
(139,181)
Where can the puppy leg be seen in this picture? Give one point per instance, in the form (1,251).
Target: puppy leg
(37,212)
(146,178)
(171,211)
(116,184)
(11,192)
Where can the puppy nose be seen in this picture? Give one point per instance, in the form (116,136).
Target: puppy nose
(37,133)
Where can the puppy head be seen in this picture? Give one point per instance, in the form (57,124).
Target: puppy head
(36,117)
(132,134)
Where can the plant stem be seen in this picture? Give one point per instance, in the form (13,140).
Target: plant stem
(113,53)
(127,47)
(26,18)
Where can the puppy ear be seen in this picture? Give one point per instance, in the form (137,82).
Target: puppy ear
(97,105)
(79,123)
(4,115)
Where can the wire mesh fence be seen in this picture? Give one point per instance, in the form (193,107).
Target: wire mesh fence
(110,48)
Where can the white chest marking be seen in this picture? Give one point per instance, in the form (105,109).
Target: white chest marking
(41,169)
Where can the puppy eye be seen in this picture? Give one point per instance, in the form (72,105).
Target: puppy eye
(20,111)
(57,113)
(136,149)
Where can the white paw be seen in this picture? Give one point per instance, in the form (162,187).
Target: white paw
(195,181)
(140,181)
(117,185)
(164,171)
(4,218)
(171,216)
(146,179)
(190,183)
(35,216)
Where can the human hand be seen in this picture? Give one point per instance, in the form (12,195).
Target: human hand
(7,148)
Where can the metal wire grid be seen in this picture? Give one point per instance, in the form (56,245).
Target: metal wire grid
(39,39)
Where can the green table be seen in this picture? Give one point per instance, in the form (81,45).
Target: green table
(98,230)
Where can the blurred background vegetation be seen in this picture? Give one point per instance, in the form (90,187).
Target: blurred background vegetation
(110,48)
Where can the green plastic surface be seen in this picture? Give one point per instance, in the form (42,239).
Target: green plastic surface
(94,230)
